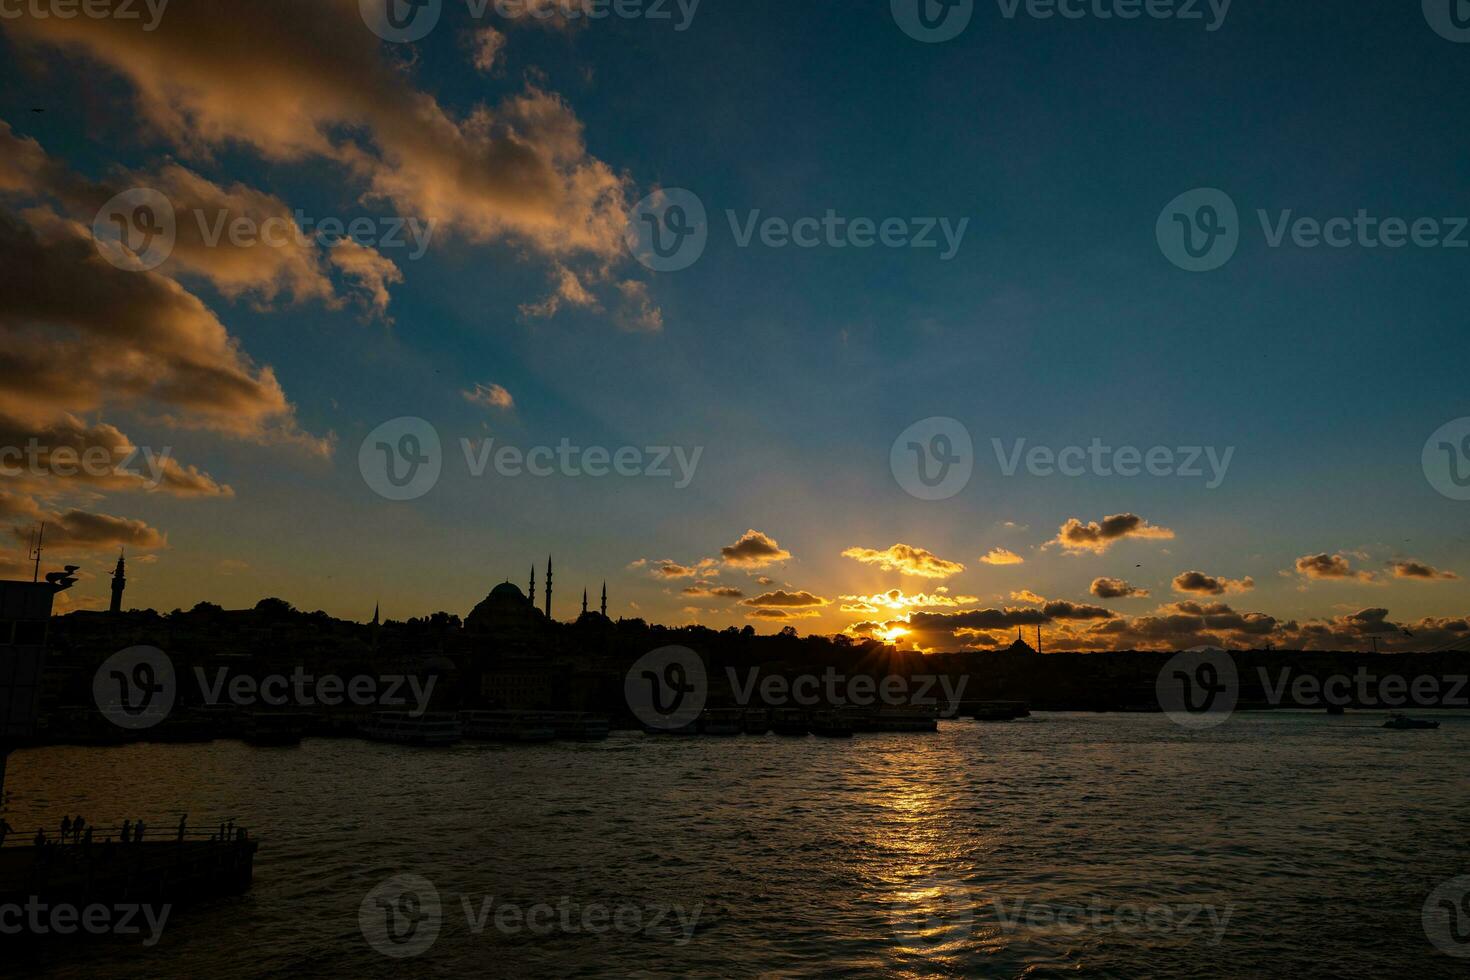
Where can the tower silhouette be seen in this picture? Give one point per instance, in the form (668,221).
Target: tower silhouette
(119,582)
(548,586)
(531,596)
(604,599)
(584,601)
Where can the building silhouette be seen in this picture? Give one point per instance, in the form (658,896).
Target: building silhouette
(119,582)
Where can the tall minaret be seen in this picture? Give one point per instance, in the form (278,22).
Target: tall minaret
(584,601)
(548,586)
(119,582)
(531,598)
(604,599)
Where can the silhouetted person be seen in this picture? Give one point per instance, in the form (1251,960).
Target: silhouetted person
(76,828)
(138,833)
(127,831)
(5,831)
(40,837)
(65,828)
(87,839)
(183,825)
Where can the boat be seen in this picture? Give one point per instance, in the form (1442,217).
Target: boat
(790,721)
(1403,723)
(756,721)
(1336,709)
(274,728)
(403,728)
(830,724)
(508,726)
(722,721)
(1000,710)
(903,718)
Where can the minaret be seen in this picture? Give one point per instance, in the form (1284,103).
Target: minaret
(548,586)
(604,599)
(531,597)
(584,601)
(119,582)
(375,627)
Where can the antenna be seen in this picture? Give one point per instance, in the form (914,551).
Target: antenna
(35,552)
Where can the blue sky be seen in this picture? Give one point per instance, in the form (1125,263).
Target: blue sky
(1058,320)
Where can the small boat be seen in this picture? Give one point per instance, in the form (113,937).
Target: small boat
(722,721)
(830,724)
(268,728)
(1403,723)
(403,728)
(904,718)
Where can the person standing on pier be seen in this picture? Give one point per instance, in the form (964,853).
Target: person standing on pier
(183,825)
(65,828)
(40,837)
(5,831)
(76,828)
(127,831)
(138,833)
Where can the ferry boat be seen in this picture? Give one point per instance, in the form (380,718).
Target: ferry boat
(905,718)
(1403,723)
(790,721)
(403,728)
(507,726)
(722,721)
(830,724)
(274,728)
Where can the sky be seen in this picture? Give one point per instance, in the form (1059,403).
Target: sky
(507,168)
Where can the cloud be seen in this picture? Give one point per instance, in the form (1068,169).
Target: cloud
(1325,566)
(671,569)
(76,529)
(568,291)
(1099,537)
(1411,569)
(1199,583)
(906,559)
(489,396)
(764,580)
(1027,596)
(637,312)
(488,43)
(717,591)
(1002,556)
(1061,609)
(785,600)
(754,549)
(1115,588)
(897,601)
(69,452)
(776,612)
(322,87)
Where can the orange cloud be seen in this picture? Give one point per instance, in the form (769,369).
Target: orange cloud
(1099,537)
(1002,556)
(754,549)
(906,559)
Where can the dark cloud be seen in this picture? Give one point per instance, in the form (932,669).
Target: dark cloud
(1098,537)
(1115,588)
(1201,584)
